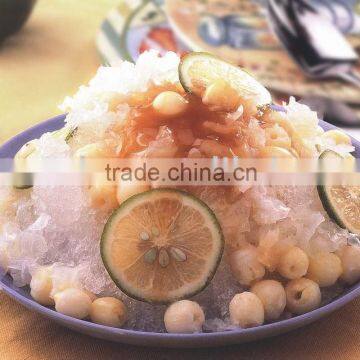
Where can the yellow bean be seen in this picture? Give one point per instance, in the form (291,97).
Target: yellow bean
(108,311)
(245,266)
(246,310)
(222,96)
(273,297)
(324,268)
(41,286)
(185,317)
(170,103)
(293,264)
(73,302)
(350,261)
(302,295)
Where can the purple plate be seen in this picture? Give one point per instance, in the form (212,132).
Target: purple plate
(22,296)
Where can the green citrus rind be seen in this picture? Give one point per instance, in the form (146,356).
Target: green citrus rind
(210,68)
(327,199)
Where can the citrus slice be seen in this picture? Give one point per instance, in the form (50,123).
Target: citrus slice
(198,70)
(24,180)
(30,148)
(162,245)
(342,203)
(66,133)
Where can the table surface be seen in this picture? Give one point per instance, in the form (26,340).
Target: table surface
(26,335)
(48,60)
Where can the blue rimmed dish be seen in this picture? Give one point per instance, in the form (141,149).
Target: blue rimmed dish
(21,295)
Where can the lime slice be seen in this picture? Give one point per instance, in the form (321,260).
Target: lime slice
(162,245)
(198,70)
(66,133)
(342,203)
(30,148)
(24,180)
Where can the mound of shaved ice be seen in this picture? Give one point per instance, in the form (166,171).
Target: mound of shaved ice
(57,226)
(91,104)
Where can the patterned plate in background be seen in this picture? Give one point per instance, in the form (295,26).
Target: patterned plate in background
(238,30)
(234,29)
(134,27)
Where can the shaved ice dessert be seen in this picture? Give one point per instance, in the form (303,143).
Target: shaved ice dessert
(224,257)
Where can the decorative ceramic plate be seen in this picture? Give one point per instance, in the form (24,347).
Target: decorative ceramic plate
(235,29)
(22,295)
(134,27)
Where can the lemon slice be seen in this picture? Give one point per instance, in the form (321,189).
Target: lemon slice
(342,203)
(162,245)
(198,70)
